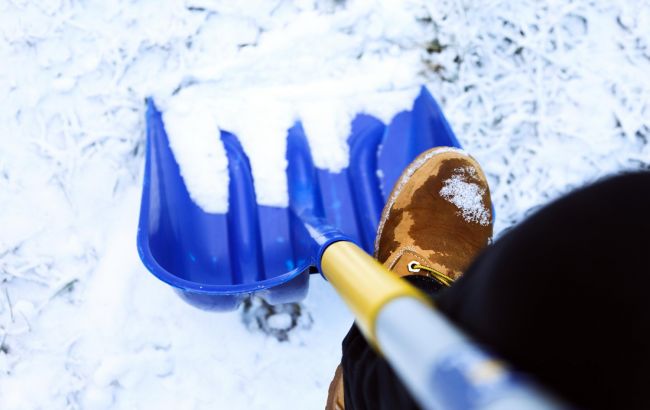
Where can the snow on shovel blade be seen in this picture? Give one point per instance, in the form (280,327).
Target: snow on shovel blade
(215,261)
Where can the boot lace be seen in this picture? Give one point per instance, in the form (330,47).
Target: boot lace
(415,267)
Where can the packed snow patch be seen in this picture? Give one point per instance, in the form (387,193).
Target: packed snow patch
(319,68)
(200,155)
(260,118)
(467,196)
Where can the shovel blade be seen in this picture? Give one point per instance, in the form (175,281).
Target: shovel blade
(215,261)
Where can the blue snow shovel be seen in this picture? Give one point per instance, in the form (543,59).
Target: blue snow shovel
(215,261)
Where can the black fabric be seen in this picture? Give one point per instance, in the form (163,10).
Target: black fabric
(368,380)
(564,297)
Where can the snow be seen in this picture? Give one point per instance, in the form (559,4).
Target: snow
(280,321)
(312,67)
(466,196)
(200,155)
(547,95)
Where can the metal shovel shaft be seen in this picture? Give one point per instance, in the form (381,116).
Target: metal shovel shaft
(440,366)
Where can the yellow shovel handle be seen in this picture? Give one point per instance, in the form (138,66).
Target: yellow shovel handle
(364,284)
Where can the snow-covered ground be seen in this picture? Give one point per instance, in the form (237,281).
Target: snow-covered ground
(546,94)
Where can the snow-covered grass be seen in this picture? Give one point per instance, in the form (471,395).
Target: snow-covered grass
(547,95)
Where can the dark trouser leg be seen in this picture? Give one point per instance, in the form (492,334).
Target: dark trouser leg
(564,296)
(369,382)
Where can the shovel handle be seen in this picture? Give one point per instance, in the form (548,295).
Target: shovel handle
(364,284)
(440,366)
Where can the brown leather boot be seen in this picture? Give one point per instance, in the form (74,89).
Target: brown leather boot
(335,396)
(439,215)
(436,220)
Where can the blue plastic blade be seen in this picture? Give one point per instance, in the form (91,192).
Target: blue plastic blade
(215,261)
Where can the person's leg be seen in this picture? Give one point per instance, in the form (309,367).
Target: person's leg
(436,221)
(564,296)
(561,296)
(369,381)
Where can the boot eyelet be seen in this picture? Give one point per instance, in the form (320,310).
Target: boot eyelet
(412,268)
